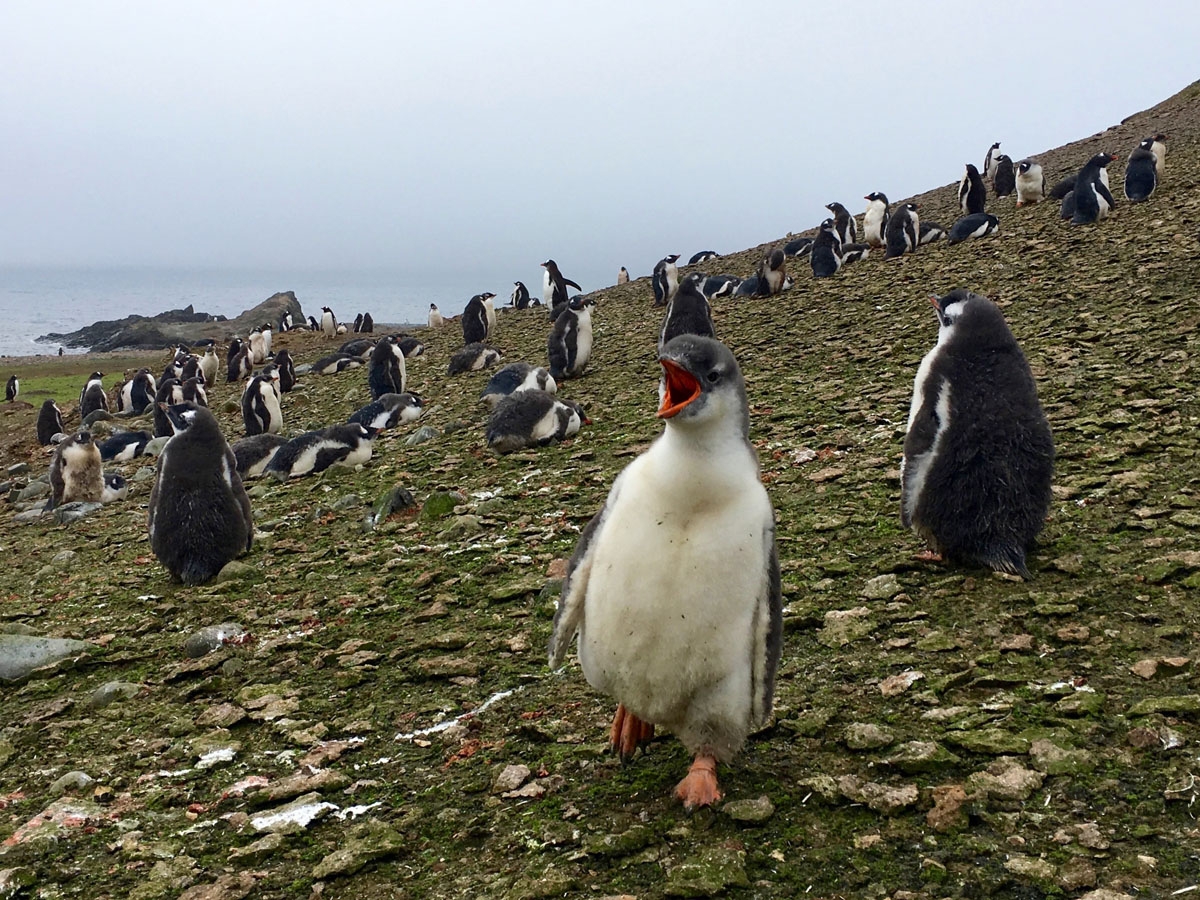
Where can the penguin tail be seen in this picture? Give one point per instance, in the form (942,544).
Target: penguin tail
(1010,560)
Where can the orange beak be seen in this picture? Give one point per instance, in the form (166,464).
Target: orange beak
(682,389)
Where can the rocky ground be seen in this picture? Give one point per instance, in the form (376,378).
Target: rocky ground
(364,710)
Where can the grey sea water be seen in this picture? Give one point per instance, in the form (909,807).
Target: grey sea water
(39,300)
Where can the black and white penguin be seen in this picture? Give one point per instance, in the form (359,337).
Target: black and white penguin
(253,454)
(193,390)
(747,287)
(772,273)
(479,318)
(978,455)
(436,320)
(170,392)
(1092,198)
(702,256)
(190,368)
(688,313)
(665,279)
(92,397)
(389,411)
(386,373)
(1066,209)
(972,226)
(623,276)
(826,257)
(49,423)
(346,445)
(853,253)
(286,322)
(238,364)
(903,231)
(472,358)
(210,364)
(199,511)
(115,488)
(357,323)
(368,324)
(519,298)
(360,347)
(972,194)
(12,388)
(75,471)
(569,346)
(1004,178)
(798,248)
(137,393)
(555,284)
(843,223)
(261,411)
(334,363)
(930,232)
(313,324)
(409,346)
(286,368)
(674,587)
(1030,182)
(515,377)
(328,322)
(532,419)
(124,446)
(990,160)
(720,286)
(1158,146)
(1141,172)
(875,220)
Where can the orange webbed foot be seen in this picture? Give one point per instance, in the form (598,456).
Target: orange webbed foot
(929,556)
(628,733)
(699,787)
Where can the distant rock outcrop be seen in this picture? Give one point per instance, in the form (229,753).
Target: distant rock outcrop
(177,326)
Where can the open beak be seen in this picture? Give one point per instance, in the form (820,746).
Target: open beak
(682,389)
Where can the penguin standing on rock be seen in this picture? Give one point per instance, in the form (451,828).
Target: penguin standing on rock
(193,391)
(436,320)
(826,257)
(1092,198)
(75,471)
(687,313)
(12,388)
(386,373)
(1141,172)
(903,231)
(261,412)
(978,455)
(772,273)
(1004,178)
(357,324)
(49,423)
(1030,182)
(874,220)
(555,284)
(520,296)
(570,344)
(92,397)
(665,279)
(170,391)
(346,445)
(479,318)
(210,364)
(368,324)
(1158,146)
(238,363)
(972,194)
(674,587)
(199,511)
(843,222)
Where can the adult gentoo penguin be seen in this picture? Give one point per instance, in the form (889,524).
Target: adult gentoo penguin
(702,256)
(1092,198)
(239,364)
(974,225)
(903,231)
(569,346)
(843,223)
(874,219)
(555,284)
(1030,182)
(49,423)
(687,313)
(479,318)
(75,471)
(315,451)
(261,412)
(389,411)
(386,373)
(516,377)
(930,232)
(170,391)
(990,160)
(978,456)
(1004,177)
(532,419)
(286,369)
(674,587)
(199,511)
(12,388)
(336,362)
(519,298)
(328,322)
(665,279)
(436,320)
(972,195)
(826,256)
(772,273)
(92,397)
(1141,172)
(357,324)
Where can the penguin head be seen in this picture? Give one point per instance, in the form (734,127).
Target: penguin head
(837,208)
(701,384)
(691,282)
(95,376)
(433,307)
(996,146)
(972,172)
(1101,160)
(671,257)
(365,433)
(550,264)
(827,226)
(911,207)
(115,488)
(181,416)
(82,436)
(949,309)
(1024,166)
(877,197)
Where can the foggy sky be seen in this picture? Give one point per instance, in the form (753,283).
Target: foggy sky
(414,136)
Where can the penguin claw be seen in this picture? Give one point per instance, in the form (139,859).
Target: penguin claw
(628,733)
(929,556)
(699,787)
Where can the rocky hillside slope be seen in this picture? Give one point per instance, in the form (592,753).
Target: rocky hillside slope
(380,720)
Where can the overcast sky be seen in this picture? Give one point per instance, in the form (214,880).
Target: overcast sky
(411,136)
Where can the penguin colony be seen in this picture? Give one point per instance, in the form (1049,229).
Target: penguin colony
(622,596)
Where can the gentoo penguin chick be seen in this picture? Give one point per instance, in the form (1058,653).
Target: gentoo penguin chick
(137,393)
(286,369)
(826,257)
(903,231)
(519,298)
(92,397)
(623,276)
(555,284)
(747,287)
(357,324)
(978,456)
(389,411)
(1092,198)
(843,223)
(972,226)
(1158,147)
(478,319)
(409,346)
(334,363)
(688,313)
(472,358)
(253,454)
(239,364)
(49,423)
(799,248)
(12,388)
(532,419)
(360,347)
(386,373)
(329,324)
(210,364)
(261,412)
(1030,182)
(124,446)
(516,377)
(368,324)
(313,324)
(1141,172)
(193,390)
(772,272)
(75,471)
(720,286)
(257,351)
(991,159)
(972,195)
(435,317)
(1004,178)
(665,279)
(930,232)
(674,586)
(286,322)
(346,445)
(702,256)
(115,488)
(569,346)
(199,511)
(875,219)
(853,253)
(169,392)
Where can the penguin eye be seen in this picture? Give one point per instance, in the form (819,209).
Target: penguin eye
(714,376)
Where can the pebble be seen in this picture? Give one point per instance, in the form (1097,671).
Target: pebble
(751,811)
(74,511)
(22,655)
(510,778)
(210,638)
(881,587)
(420,436)
(112,691)
(71,781)
(33,491)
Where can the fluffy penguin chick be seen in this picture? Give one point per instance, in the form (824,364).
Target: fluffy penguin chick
(199,511)
(674,586)
(253,454)
(978,456)
(532,419)
(569,346)
(315,451)
(389,411)
(75,472)
(514,377)
(688,312)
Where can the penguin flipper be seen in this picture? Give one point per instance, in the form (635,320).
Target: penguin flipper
(569,615)
(1104,192)
(570,283)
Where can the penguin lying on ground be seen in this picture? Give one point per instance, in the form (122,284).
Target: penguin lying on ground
(115,488)
(199,511)
(386,373)
(472,358)
(1030,182)
(674,587)
(360,347)
(75,471)
(1092,198)
(124,446)
(569,346)
(92,397)
(409,346)
(1141,172)
(389,411)
(714,286)
(665,280)
(972,226)
(702,256)
(875,219)
(687,313)
(49,423)
(798,248)
(903,231)
(253,454)
(532,419)
(334,363)
(978,455)
(515,377)
(930,232)
(346,445)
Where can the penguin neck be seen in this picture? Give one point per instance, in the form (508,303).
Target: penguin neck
(715,448)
